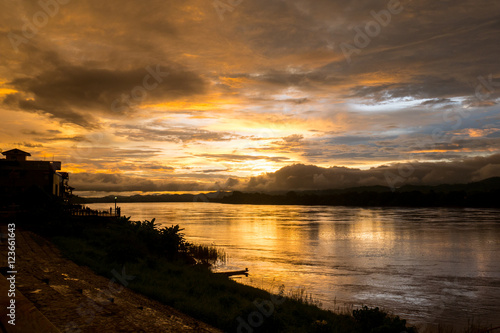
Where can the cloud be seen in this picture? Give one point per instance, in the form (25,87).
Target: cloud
(437,101)
(214,170)
(310,177)
(418,87)
(122,183)
(78,94)
(294,138)
(231,182)
(301,177)
(239,157)
(106,154)
(29,145)
(267,86)
(171,133)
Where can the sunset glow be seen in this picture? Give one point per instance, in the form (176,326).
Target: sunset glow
(187,98)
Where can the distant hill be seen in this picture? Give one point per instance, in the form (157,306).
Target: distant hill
(484,193)
(153,198)
(483,185)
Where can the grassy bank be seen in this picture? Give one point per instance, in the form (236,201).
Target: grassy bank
(163,267)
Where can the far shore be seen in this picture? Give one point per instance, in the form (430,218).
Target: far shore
(482,194)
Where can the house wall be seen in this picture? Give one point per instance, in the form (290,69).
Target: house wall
(57,185)
(16,177)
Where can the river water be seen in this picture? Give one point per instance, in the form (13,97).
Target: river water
(428,265)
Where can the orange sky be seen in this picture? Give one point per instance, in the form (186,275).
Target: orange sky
(168,95)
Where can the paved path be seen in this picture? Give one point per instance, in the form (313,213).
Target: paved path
(74,299)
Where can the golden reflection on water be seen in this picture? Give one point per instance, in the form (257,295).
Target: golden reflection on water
(424,264)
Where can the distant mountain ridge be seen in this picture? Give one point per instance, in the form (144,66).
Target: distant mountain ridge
(484,193)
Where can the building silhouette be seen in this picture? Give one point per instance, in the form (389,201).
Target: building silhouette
(20,177)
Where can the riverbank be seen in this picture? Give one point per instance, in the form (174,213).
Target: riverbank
(123,248)
(75,299)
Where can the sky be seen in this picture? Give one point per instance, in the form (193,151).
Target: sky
(201,95)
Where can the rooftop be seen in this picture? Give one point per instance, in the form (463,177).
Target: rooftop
(15,152)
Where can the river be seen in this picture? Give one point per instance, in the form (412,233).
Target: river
(428,265)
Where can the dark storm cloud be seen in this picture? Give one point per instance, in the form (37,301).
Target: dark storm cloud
(69,92)
(433,49)
(304,177)
(437,49)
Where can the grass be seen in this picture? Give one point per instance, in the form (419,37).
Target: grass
(207,254)
(472,327)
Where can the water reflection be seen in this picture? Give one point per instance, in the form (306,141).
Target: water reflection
(428,265)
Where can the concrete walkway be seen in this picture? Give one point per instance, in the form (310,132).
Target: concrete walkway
(72,298)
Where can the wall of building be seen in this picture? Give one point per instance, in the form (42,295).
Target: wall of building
(17,177)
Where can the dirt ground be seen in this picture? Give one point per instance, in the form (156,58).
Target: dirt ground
(74,299)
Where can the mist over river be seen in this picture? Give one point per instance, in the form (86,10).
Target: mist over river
(427,265)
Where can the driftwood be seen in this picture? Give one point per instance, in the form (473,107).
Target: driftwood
(232,273)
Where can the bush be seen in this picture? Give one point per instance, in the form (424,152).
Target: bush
(372,320)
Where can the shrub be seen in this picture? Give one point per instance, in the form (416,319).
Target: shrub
(372,320)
